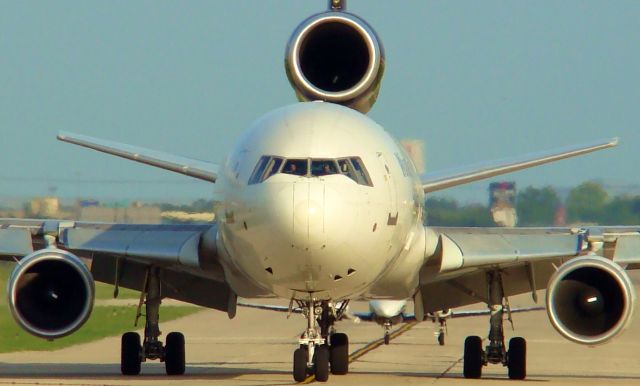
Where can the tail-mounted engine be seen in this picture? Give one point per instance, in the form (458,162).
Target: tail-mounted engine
(51,293)
(590,300)
(335,57)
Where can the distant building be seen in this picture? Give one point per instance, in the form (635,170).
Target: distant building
(47,207)
(502,203)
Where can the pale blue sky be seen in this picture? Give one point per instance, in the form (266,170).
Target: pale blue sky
(476,80)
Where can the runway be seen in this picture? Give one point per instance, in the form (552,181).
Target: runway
(256,349)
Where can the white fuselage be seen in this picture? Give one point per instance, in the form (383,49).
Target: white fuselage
(329,235)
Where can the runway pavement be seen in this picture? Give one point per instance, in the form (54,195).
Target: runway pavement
(256,349)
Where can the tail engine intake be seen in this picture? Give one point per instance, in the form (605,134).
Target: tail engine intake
(335,57)
(51,293)
(590,300)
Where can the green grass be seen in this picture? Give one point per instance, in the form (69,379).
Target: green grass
(104,321)
(105,291)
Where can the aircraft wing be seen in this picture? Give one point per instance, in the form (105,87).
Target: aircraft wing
(190,167)
(454,274)
(121,254)
(433,181)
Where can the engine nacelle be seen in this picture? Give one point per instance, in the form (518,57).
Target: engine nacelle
(335,57)
(51,293)
(590,300)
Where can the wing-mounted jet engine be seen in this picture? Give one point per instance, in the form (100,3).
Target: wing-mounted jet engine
(51,293)
(590,300)
(335,56)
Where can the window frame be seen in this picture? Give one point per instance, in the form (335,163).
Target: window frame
(266,168)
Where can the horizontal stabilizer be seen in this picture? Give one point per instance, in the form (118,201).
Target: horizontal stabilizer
(193,168)
(433,181)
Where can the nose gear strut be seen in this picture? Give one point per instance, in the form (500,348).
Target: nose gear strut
(321,349)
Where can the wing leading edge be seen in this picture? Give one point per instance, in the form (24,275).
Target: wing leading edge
(190,167)
(433,181)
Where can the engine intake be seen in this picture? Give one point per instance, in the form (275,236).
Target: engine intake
(51,293)
(590,300)
(335,57)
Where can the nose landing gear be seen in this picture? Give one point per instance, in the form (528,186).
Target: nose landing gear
(321,350)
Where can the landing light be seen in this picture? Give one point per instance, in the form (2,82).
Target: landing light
(592,299)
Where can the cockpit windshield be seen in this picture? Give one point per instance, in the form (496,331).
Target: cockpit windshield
(323,167)
(351,167)
(296,167)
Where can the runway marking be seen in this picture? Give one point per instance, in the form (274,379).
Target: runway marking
(354,356)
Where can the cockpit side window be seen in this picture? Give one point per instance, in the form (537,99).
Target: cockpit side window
(296,167)
(258,171)
(361,172)
(347,169)
(323,167)
(273,167)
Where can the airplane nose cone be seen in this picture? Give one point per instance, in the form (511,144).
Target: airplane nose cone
(308,216)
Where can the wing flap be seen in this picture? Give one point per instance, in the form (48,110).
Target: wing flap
(190,167)
(434,181)
(15,242)
(163,246)
(471,248)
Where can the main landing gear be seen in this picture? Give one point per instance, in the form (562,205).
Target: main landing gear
(387,331)
(133,352)
(495,352)
(321,350)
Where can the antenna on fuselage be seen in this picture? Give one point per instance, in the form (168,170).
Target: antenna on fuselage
(337,5)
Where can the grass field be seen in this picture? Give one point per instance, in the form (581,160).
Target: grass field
(104,321)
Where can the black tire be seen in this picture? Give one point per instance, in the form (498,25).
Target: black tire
(441,339)
(517,356)
(472,366)
(339,354)
(386,338)
(174,356)
(321,363)
(300,364)
(130,353)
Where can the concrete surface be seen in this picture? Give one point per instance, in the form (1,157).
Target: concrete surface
(256,349)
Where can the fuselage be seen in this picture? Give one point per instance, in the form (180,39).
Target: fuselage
(316,199)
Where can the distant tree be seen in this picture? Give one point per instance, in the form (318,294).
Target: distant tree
(537,206)
(622,210)
(586,203)
(447,212)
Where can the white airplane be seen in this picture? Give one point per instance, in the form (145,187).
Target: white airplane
(319,204)
(388,313)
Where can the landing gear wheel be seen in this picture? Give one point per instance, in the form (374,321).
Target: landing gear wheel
(386,338)
(130,354)
(321,362)
(174,354)
(517,358)
(300,364)
(441,339)
(472,366)
(339,354)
